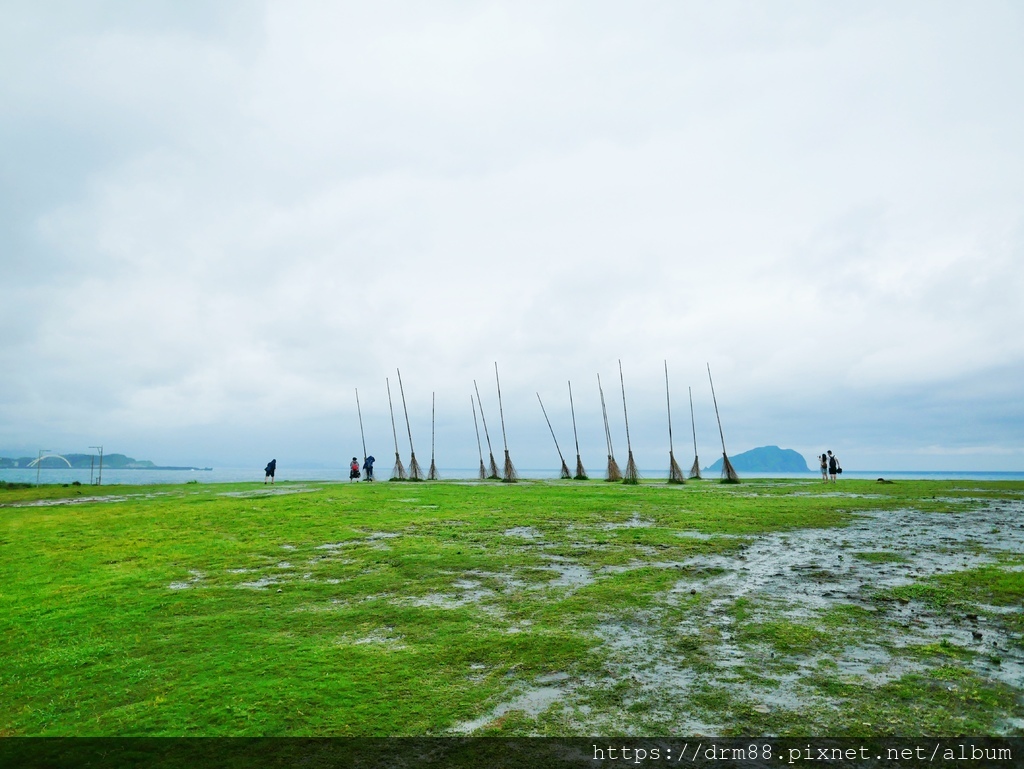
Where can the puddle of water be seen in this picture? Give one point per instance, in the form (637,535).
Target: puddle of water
(633,523)
(571,575)
(260,584)
(524,532)
(532,703)
(196,578)
(269,491)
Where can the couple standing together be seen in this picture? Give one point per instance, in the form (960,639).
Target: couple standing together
(829,467)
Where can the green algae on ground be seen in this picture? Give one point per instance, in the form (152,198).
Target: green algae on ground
(542,608)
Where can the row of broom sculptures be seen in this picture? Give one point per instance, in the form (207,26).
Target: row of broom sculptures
(507,473)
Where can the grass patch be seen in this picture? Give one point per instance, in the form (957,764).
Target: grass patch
(408,609)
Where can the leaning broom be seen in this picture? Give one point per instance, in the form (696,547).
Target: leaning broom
(729,474)
(479,448)
(581,473)
(565,468)
(494,474)
(613,473)
(398,473)
(675,473)
(432,473)
(415,473)
(632,475)
(509,475)
(695,470)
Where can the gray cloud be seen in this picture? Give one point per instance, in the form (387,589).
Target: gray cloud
(220,220)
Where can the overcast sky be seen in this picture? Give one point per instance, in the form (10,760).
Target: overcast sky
(219,219)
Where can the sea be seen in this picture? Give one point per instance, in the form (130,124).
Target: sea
(284,473)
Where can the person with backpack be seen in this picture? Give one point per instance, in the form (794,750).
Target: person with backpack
(270,469)
(824,467)
(833,466)
(353,470)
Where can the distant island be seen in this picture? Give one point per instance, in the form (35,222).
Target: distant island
(87,461)
(765,459)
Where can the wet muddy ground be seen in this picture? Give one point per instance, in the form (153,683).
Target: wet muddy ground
(724,663)
(790,628)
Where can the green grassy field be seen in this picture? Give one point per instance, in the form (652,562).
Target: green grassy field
(772,607)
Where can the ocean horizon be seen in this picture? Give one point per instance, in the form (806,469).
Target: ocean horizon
(145,476)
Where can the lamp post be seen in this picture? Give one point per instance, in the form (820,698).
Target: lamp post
(99,478)
(39,463)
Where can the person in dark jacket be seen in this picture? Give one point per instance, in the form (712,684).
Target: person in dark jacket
(368,467)
(270,470)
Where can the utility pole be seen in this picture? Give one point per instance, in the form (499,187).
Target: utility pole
(99,478)
(39,463)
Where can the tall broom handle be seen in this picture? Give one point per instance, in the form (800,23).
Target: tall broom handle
(622,383)
(668,404)
(391,408)
(713,398)
(604,413)
(692,423)
(476,427)
(407,427)
(551,429)
(483,418)
(361,433)
(431,427)
(501,411)
(572,410)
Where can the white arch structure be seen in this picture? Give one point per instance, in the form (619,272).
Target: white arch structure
(37,460)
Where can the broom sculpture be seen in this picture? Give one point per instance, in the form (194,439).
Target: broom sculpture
(632,475)
(565,468)
(729,474)
(581,474)
(614,473)
(509,475)
(675,473)
(494,474)
(432,473)
(415,473)
(479,448)
(398,473)
(695,470)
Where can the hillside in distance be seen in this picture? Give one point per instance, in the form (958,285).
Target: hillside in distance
(765,459)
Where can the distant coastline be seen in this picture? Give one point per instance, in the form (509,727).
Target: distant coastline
(88,462)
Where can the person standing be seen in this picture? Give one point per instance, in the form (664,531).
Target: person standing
(824,467)
(353,470)
(368,467)
(833,465)
(270,469)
